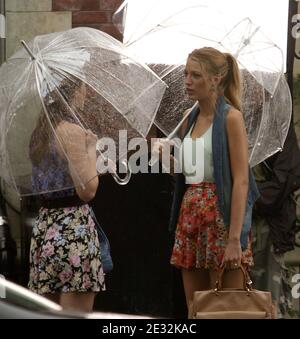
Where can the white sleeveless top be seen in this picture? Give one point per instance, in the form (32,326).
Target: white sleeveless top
(196,158)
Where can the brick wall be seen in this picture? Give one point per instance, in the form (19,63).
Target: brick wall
(92,13)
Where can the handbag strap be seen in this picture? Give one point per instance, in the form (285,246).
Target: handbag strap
(247,281)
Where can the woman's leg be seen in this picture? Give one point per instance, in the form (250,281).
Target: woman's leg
(196,279)
(55,297)
(78,301)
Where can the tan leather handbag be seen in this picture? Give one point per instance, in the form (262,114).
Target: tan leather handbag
(220,303)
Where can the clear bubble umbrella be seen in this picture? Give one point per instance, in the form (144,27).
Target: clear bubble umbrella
(165,44)
(81,76)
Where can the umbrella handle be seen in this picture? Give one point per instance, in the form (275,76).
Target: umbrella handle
(126,179)
(115,175)
(153,159)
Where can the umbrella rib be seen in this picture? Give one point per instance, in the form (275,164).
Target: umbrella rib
(234,27)
(12,100)
(258,132)
(164,21)
(271,70)
(61,96)
(92,86)
(244,45)
(143,19)
(62,71)
(53,42)
(246,33)
(193,35)
(143,36)
(126,56)
(154,115)
(109,73)
(181,11)
(276,84)
(248,28)
(45,109)
(155,28)
(169,69)
(259,50)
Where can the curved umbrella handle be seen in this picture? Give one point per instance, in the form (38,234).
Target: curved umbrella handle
(115,175)
(154,159)
(126,179)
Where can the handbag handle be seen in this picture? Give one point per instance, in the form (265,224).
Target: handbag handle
(247,281)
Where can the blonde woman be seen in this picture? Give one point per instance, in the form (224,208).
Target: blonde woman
(212,212)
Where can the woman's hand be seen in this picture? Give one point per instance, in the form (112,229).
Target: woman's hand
(162,150)
(233,254)
(161,145)
(79,147)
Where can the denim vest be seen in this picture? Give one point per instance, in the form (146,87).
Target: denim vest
(222,174)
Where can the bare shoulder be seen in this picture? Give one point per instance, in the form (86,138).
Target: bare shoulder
(234,115)
(234,118)
(70,135)
(65,127)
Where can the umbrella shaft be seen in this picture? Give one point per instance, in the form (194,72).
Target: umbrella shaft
(176,129)
(27,49)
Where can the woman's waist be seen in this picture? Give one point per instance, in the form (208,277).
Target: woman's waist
(201,188)
(62,201)
(203,184)
(204,191)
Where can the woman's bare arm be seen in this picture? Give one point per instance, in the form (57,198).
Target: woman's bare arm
(238,149)
(78,146)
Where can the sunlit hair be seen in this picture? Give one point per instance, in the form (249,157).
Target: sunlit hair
(224,65)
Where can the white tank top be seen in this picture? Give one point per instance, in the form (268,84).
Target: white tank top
(196,158)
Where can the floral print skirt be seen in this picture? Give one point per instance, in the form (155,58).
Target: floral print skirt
(201,236)
(65,252)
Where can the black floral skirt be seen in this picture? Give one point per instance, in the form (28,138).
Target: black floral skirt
(65,252)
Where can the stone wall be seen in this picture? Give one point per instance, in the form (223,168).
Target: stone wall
(27,18)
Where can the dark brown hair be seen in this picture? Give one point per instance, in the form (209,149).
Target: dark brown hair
(56,105)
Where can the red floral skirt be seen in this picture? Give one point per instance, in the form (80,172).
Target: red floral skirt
(201,236)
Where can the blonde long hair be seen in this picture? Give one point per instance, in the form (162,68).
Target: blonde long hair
(224,65)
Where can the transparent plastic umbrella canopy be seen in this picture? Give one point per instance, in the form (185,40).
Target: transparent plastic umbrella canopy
(164,42)
(82,76)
